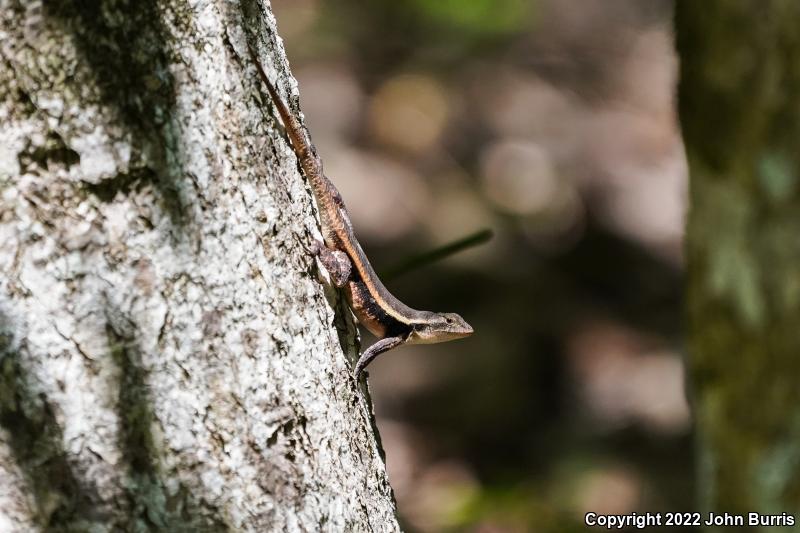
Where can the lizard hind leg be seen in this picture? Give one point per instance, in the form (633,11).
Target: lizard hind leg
(336,262)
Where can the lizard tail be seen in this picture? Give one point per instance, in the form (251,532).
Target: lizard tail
(293,127)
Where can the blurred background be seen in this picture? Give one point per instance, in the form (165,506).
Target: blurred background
(552,124)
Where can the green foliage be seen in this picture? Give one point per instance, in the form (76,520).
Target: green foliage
(516,508)
(477,16)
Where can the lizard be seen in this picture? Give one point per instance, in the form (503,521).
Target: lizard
(378,310)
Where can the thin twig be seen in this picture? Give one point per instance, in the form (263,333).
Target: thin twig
(437,254)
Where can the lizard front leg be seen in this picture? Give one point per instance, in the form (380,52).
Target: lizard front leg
(375,350)
(336,262)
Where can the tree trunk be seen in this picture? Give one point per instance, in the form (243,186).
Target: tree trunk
(169,359)
(738,99)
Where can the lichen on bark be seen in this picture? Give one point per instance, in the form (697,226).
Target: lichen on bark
(169,359)
(740,78)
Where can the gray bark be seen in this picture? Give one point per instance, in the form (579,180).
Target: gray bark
(169,359)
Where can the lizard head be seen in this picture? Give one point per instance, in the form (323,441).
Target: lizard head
(440,327)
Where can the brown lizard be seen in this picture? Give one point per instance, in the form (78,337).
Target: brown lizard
(386,317)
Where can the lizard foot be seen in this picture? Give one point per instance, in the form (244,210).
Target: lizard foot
(336,262)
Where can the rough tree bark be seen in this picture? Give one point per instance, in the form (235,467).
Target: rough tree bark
(738,99)
(169,359)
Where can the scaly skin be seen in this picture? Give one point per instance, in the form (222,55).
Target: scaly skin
(386,317)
